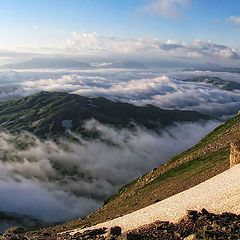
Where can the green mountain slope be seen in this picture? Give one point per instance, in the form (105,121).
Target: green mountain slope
(44,113)
(204,160)
(41,63)
(217,82)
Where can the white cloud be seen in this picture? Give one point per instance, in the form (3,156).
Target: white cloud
(68,180)
(170,9)
(92,44)
(88,41)
(235,20)
(147,47)
(163,88)
(171,41)
(35,27)
(230,53)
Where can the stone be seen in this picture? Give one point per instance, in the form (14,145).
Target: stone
(233,237)
(115,231)
(94,232)
(192,214)
(15,230)
(110,238)
(130,237)
(235,153)
(177,235)
(204,211)
(11,236)
(191,237)
(46,234)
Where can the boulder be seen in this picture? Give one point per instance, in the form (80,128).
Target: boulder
(15,230)
(115,231)
(191,237)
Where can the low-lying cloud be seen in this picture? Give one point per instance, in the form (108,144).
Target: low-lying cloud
(64,180)
(162,88)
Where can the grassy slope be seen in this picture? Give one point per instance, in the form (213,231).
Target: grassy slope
(206,159)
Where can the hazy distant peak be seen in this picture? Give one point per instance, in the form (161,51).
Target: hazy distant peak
(40,63)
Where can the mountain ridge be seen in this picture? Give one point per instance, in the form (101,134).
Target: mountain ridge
(48,63)
(216,81)
(50,114)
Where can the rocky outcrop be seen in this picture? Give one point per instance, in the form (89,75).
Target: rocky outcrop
(15,230)
(197,225)
(235,153)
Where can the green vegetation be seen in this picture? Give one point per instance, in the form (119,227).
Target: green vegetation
(218,82)
(195,167)
(120,191)
(209,158)
(43,113)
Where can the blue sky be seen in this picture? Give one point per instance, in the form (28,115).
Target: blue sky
(51,22)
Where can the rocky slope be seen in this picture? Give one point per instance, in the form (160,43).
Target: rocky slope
(218,194)
(196,225)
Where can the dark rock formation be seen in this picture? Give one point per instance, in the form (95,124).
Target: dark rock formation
(196,225)
(235,153)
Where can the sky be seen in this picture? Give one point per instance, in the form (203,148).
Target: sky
(50,24)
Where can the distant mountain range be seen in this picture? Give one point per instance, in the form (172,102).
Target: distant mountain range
(49,114)
(54,63)
(214,68)
(127,64)
(217,82)
(69,63)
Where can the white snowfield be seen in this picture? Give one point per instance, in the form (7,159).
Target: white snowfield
(218,194)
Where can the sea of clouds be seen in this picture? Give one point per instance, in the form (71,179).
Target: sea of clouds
(59,181)
(162,88)
(65,180)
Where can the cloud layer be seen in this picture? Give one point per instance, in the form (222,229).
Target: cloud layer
(163,88)
(151,48)
(64,180)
